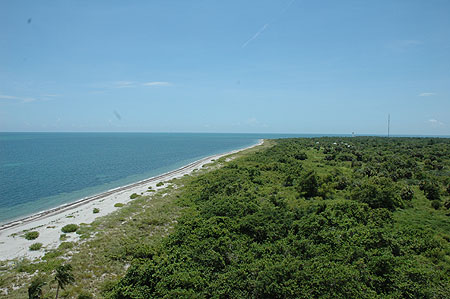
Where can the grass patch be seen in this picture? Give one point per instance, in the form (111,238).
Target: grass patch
(159,184)
(134,195)
(66,245)
(118,205)
(96,210)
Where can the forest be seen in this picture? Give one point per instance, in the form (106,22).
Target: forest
(331,217)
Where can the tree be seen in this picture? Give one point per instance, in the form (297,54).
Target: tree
(35,289)
(63,277)
(308,184)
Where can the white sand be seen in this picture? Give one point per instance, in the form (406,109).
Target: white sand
(49,223)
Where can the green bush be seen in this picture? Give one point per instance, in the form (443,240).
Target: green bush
(85,295)
(31,235)
(436,204)
(119,205)
(35,246)
(378,192)
(96,210)
(134,195)
(159,184)
(65,245)
(407,193)
(69,228)
(431,190)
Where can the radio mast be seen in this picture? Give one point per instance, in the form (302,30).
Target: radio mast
(389,124)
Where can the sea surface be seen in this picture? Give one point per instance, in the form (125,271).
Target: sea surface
(39,171)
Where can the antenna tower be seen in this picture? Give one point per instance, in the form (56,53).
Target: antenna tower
(389,124)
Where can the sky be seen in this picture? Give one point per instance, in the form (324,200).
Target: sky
(281,66)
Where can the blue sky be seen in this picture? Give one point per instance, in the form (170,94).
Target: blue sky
(225,66)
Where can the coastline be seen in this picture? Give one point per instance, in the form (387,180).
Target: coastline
(49,222)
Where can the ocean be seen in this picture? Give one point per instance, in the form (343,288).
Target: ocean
(39,171)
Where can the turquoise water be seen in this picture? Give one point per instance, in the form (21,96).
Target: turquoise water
(39,171)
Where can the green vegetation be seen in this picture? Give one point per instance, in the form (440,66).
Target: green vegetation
(35,246)
(69,228)
(32,235)
(118,205)
(96,210)
(307,218)
(85,295)
(354,218)
(134,195)
(63,277)
(35,288)
(66,245)
(159,184)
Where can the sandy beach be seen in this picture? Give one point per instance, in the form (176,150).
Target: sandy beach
(49,223)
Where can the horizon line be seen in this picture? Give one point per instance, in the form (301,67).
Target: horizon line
(276,133)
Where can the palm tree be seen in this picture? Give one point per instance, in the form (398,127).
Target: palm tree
(35,289)
(63,277)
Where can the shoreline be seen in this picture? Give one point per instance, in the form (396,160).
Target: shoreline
(13,245)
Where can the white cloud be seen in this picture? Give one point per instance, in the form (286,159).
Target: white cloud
(102,87)
(51,95)
(253,122)
(426,94)
(403,44)
(409,42)
(123,84)
(14,98)
(435,122)
(157,83)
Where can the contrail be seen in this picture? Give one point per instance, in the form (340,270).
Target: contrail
(256,35)
(261,30)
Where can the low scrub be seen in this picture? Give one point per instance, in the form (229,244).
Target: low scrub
(69,228)
(35,246)
(31,235)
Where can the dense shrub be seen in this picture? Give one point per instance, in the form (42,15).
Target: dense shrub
(159,184)
(431,190)
(436,204)
(35,246)
(262,227)
(407,193)
(308,184)
(301,156)
(134,195)
(96,210)
(118,205)
(85,295)
(378,192)
(69,228)
(31,235)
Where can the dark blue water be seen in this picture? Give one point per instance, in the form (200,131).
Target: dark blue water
(39,171)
